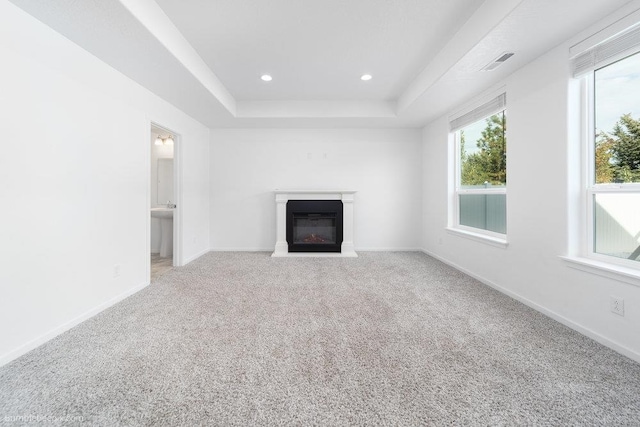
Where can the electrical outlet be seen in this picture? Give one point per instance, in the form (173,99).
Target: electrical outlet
(617,305)
(116,270)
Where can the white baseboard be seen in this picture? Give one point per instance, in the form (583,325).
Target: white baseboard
(388,249)
(555,316)
(270,249)
(14,354)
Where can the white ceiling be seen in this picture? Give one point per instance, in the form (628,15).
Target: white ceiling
(206,56)
(317,50)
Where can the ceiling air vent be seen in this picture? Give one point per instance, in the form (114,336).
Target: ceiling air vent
(497,62)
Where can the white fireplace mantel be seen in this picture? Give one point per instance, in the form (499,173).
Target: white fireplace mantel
(283,196)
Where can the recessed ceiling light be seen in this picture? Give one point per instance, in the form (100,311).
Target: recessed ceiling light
(366,77)
(266,77)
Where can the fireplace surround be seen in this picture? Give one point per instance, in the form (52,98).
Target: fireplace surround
(318,216)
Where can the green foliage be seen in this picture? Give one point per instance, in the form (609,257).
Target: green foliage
(489,164)
(604,168)
(618,154)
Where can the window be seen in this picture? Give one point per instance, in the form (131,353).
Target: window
(481,169)
(614,190)
(612,85)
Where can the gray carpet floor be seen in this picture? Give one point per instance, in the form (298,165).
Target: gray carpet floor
(395,339)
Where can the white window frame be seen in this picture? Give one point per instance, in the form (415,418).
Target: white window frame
(458,191)
(619,39)
(493,102)
(589,185)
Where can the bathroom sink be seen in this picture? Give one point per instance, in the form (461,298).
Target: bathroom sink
(165,215)
(162,212)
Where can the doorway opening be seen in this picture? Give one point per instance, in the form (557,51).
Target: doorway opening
(164,202)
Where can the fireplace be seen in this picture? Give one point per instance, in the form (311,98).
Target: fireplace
(314,225)
(343,208)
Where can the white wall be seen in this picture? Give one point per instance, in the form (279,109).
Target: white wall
(543,214)
(75,183)
(383,165)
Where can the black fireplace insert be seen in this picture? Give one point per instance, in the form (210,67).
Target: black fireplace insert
(314,225)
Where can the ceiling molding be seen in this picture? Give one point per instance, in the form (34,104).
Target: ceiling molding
(153,18)
(137,38)
(319,109)
(488,16)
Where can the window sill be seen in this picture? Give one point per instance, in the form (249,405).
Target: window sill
(478,237)
(604,269)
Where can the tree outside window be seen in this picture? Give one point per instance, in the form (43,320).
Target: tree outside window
(487,164)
